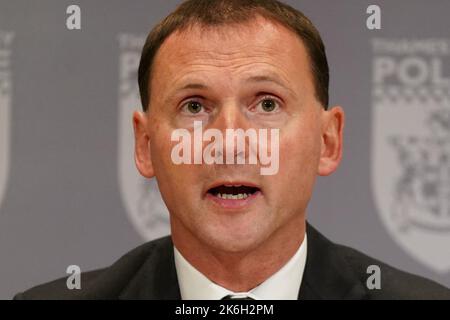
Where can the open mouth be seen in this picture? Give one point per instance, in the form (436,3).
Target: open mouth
(233,192)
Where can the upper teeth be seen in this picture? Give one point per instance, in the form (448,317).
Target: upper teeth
(232,196)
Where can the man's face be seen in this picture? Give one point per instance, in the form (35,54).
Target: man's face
(254,75)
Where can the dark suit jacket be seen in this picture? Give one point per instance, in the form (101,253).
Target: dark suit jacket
(332,272)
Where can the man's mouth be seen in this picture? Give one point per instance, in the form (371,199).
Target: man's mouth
(233,195)
(233,192)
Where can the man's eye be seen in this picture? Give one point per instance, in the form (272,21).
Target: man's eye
(268,105)
(193,107)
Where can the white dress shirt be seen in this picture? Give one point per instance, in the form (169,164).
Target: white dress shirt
(282,285)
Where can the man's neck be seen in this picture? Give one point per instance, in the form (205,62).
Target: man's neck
(241,271)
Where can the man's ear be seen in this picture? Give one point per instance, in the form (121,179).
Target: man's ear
(332,140)
(142,154)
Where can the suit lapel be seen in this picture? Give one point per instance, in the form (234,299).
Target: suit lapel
(157,278)
(327,275)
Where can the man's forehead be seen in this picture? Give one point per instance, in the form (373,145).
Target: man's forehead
(199,57)
(257,38)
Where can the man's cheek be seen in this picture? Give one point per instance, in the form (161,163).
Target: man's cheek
(290,153)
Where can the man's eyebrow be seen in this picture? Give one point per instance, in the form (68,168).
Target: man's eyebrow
(192,86)
(267,78)
(187,86)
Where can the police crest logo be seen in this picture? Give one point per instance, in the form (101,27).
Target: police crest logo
(6,39)
(140,196)
(411,145)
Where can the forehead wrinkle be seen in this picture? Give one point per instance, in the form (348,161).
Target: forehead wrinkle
(230,61)
(218,59)
(229,70)
(268,69)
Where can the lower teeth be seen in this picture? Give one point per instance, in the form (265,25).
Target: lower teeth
(232,196)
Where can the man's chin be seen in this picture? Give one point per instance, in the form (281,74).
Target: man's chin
(233,241)
(224,231)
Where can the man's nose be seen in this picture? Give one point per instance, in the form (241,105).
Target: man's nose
(232,116)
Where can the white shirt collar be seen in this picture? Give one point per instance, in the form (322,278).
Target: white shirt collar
(282,285)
